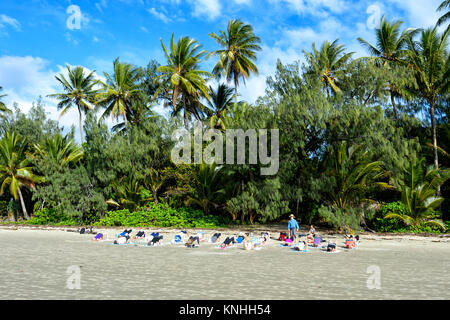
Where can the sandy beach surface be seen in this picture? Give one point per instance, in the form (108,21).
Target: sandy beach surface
(34,264)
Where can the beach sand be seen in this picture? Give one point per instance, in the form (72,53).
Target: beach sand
(34,263)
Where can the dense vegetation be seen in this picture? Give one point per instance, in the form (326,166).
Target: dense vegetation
(363,142)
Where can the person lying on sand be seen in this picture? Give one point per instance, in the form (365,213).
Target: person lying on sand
(288,242)
(301,246)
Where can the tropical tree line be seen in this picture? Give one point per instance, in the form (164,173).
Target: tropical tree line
(355,134)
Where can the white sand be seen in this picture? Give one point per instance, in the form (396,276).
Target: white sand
(33,265)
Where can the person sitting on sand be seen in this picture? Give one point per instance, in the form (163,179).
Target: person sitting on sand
(317,240)
(350,243)
(310,238)
(248,245)
(288,242)
(312,230)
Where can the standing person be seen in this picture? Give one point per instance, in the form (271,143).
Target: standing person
(292,227)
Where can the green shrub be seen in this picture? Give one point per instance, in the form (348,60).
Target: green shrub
(52,217)
(380,224)
(348,219)
(161,215)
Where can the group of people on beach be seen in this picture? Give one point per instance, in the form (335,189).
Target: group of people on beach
(298,242)
(312,239)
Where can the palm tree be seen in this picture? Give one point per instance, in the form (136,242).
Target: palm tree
(430,61)
(221,100)
(120,89)
(15,168)
(444,5)
(238,54)
(154,181)
(390,49)
(183,76)
(328,63)
(208,188)
(63,150)
(419,188)
(128,192)
(3,107)
(78,91)
(354,173)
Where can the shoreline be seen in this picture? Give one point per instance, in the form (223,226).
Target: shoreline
(272,228)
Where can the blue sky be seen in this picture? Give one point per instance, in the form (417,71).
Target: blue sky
(39,37)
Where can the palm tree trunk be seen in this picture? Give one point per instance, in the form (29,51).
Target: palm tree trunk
(433,126)
(81,127)
(24,209)
(394,106)
(435,149)
(236,82)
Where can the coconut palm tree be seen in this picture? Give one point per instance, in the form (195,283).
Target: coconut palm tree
(419,188)
(120,89)
(63,150)
(128,193)
(354,173)
(238,54)
(183,76)
(15,169)
(390,50)
(209,187)
(328,63)
(446,17)
(221,100)
(430,61)
(78,91)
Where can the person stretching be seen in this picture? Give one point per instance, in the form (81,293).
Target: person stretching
(191,242)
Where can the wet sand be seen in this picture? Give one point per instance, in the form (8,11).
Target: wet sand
(33,265)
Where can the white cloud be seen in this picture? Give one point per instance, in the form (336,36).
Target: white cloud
(314,7)
(420,13)
(24,79)
(161,16)
(211,9)
(6,20)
